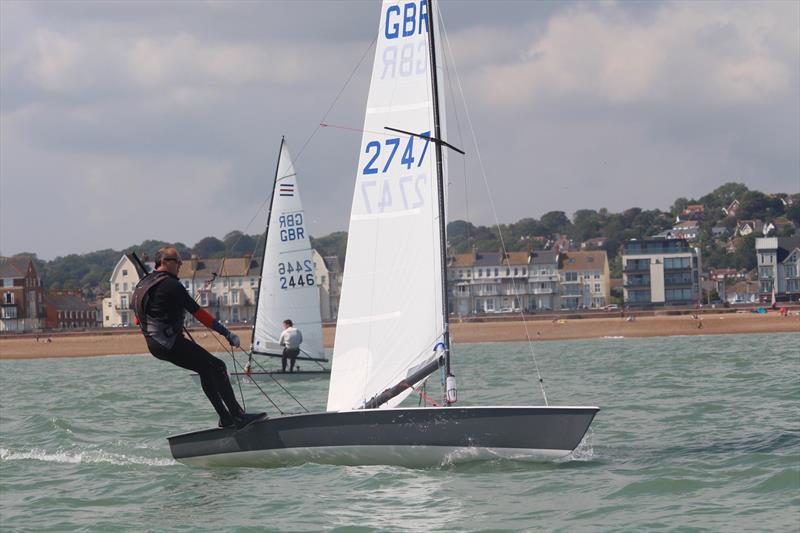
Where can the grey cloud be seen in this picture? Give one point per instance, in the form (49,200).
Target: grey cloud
(90,135)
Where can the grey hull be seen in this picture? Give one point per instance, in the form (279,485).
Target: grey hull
(416,437)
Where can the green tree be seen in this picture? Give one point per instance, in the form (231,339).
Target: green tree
(556,222)
(209,247)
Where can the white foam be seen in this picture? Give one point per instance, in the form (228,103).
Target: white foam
(92,456)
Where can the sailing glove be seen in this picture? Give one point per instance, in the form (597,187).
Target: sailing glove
(233,338)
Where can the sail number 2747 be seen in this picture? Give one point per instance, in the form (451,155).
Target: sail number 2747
(296,274)
(394,188)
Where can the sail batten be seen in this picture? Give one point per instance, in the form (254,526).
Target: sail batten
(390,311)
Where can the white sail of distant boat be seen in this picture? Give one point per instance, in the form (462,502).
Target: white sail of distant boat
(392,330)
(288,288)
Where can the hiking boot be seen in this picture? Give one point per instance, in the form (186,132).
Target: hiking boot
(227,421)
(248,418)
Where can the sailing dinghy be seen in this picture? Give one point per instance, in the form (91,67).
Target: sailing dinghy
(392,330)
(288,287)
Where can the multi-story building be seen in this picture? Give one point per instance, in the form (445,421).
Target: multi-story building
(21,296)
(585,279)
(68,309)
(328,273)
(543,281)
(778,261)
(660,272)
(488,282)
(116,309)
(227,288)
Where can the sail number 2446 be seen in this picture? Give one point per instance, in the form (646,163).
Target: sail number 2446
(296,274)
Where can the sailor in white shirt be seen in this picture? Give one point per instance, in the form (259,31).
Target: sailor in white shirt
(290,339)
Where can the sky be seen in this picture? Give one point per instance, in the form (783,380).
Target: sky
(126,121)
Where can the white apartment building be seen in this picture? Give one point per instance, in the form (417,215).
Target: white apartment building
(585,279)
(778,260)
(660,272)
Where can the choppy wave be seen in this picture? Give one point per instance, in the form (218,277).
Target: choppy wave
(89,456)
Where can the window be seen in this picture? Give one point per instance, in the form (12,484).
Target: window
(596,287)
(123,301)
(516,271)
(125,287)
(235,298)
(116,287)
(8,298)
(124,272)
(108,304)
(225,299)
(496,272)
(508,271)
(571,276)
(204,299)
(480,272)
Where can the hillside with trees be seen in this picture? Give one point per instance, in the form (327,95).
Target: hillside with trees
(92,270)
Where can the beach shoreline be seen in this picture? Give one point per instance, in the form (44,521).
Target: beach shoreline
(562,327)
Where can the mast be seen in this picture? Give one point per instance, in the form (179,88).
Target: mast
(266,236)
(440,184)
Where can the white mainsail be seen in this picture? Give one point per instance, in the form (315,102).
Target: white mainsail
(288,288)
(390,311)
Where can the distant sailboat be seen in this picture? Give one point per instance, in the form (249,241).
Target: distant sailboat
(288,288)
(392,330)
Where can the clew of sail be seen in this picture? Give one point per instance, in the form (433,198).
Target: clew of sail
(288,287)
(390,312)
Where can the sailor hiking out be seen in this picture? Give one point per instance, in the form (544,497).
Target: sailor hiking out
(160,303)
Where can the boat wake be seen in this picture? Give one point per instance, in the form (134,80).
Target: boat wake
(584,451)
(87,457)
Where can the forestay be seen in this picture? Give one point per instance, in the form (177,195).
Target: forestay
(288,287)
(390,313)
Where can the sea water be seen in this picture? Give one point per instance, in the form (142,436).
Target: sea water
(695,433)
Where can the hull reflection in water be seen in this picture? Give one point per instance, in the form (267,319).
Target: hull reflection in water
(414,437)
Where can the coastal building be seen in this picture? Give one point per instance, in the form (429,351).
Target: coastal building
(659,272)
(115,308)
(328,273)
(585,279)
(543,281)
(21,295)
(68,310)
(488,282)
(778,260)
(227,288)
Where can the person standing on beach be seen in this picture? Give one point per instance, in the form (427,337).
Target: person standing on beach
(290,339)
(160,302)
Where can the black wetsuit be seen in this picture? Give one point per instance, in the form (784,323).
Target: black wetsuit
(167,302)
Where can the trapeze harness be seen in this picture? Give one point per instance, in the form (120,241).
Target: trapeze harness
(165,330)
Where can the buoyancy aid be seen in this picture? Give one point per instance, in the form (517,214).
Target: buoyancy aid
(159,329)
